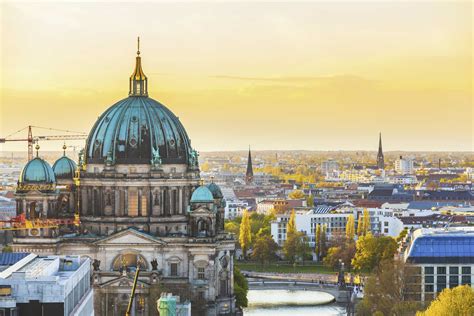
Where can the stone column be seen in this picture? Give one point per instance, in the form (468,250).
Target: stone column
(45,208)
(125,206)
(180,199)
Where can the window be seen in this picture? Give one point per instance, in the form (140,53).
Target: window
(453,270)
(441,287)
(466,270)
(429,288)
(429,279)
(441,279)
(201,296)
(466,279)
(201,274)
(429,270)
(453,281)
(174,269)
(441,270)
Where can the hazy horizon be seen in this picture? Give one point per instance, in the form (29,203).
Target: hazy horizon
(323,76)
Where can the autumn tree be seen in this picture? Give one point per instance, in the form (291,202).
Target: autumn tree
(323,242)
(264,249)
(350,227)
(296,195)
(455,301)
(388,289)
(366,228)
(317,242)
(360,225)
(370,251)
(245,235)
(291,226)
(303,249)
(340,249)
(310,200)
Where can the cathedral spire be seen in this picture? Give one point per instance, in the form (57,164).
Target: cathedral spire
(249,173)
(138,80)
(380,158)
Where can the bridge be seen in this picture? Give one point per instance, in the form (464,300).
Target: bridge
(340,294)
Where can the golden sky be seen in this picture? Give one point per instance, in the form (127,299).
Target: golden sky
(312,75)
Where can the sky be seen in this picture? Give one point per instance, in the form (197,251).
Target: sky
(273,75)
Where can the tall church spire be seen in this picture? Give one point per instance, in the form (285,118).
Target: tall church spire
(380,158)
(249,173)
(138,80)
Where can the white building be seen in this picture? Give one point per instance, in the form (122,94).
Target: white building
(382,222)
(51,285)
(235,209)
(329,166)
(404,166)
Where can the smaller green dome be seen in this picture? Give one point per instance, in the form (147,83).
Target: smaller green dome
(37,170)
(215,190)
(64,168)
(202,195)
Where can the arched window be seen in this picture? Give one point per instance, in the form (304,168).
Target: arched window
(130,261)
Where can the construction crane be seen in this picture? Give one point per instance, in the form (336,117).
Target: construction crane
(34,139)
(132,295)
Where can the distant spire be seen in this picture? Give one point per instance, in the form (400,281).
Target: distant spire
(380,158)
(249,173)
(138,80)
(64,149)
(37,147)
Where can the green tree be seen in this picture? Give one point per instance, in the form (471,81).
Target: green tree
(303,249)
(370,251)
(245,235)
(232,227)
(264,249)
(7,248)
(455,301)
(350,227)
(241,288)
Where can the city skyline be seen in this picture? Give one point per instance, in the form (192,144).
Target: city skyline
(279,77)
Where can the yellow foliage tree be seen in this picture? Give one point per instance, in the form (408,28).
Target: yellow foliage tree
(360,226)
(455,301)
(296,195)
(291,226)
(245,233)
(350,227)
(366,227)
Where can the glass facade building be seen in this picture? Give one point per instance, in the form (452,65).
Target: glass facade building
(445,256)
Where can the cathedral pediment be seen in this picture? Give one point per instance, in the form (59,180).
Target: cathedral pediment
(123,281)
(130,237)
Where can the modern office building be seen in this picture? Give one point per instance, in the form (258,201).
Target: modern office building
(445,258)
(404,166)
(47,286)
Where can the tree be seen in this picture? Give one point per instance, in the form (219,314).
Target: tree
(360,225)
(245,236)
(317,243)
(7,248)
(302,246)
(296,195)
(241,288)
(370,251)
(232,227)
(455,301)
(323,242)
(350,227)
(291,226)
(310,200)
(366,221)
(387,291)
(265,249)
(344,252)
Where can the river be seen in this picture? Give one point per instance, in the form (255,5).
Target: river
(294,303)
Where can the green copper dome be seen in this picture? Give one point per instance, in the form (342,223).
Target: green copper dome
(135,127)
(202,195)
(37,171)
(64,168)
(215,190)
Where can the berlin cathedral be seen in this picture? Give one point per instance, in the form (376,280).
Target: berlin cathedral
(137,200)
